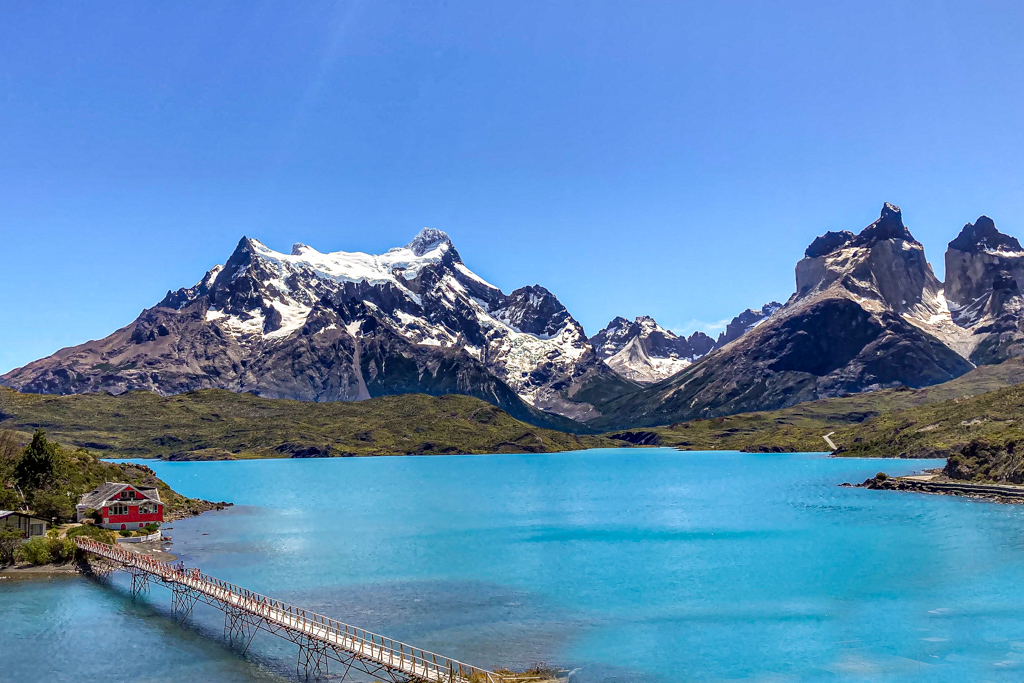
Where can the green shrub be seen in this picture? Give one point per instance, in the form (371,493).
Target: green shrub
(151,528)
(47,549)
(124,533)
(881,476)
(36,551)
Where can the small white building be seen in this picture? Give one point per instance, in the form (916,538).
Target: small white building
(28,525)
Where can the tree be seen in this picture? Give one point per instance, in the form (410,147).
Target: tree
(50,505)
(10,539)
(40,464)
(10,453)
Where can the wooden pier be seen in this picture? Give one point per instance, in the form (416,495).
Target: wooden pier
(321,640)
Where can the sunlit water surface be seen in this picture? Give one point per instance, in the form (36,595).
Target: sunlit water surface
(624,565)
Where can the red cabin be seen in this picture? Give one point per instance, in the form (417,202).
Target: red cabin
(123,506)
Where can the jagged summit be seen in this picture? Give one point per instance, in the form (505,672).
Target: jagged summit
(427,240)
(982,235)
(829,242)
(889,226)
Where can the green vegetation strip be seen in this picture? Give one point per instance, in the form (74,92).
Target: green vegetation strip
(216,424)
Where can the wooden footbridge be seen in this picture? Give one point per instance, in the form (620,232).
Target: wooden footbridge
(321,640)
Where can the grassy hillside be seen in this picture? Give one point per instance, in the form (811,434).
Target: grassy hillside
(216,424)
(939,430)
(864,424)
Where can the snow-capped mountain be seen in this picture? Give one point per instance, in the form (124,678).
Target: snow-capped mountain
(341,326)
(645,352)
(868,314)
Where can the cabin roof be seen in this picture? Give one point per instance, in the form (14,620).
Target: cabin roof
(8,513)
(104,493)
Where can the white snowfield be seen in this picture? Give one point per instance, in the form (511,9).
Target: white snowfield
(633,362)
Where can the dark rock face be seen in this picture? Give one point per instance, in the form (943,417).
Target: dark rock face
(637,438)
(534,310)
(829,242)
(746,321)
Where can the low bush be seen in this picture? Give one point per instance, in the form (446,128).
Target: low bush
(47,549)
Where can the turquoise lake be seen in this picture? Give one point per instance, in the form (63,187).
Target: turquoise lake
(623,565)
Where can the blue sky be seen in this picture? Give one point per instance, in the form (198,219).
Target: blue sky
(671,159)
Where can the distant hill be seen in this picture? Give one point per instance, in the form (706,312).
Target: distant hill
(218,424)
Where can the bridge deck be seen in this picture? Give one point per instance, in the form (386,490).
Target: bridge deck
(395,656)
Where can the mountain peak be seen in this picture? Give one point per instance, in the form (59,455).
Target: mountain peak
(889,226)
(427,240)
(982,235)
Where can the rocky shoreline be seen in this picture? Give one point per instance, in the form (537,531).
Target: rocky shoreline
(193,507)
(935,482)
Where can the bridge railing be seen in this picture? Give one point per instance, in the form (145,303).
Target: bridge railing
(393,653)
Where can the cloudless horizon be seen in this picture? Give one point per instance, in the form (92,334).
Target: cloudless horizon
(663,159)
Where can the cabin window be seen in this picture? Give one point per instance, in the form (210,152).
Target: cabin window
(147,508)
(118,509)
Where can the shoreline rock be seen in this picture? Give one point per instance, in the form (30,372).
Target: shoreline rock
(936,483)
(193,507)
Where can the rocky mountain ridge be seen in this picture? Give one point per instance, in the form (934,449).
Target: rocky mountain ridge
(867,313)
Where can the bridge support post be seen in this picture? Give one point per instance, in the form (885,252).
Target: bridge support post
(313,657)
(240,624)
(183,599)
(140,580)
